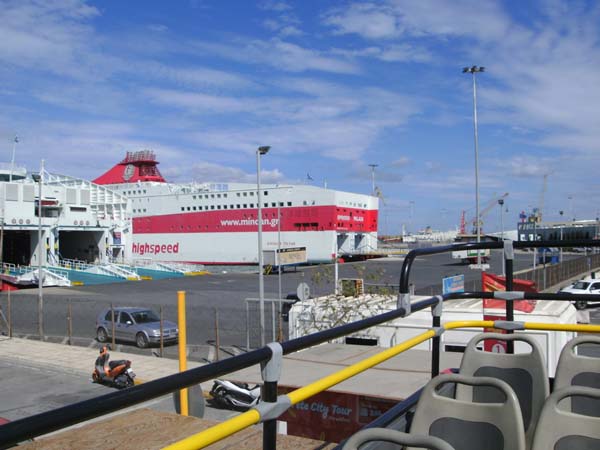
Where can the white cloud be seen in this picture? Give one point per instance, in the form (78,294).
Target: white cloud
(206,171)
(389,53)
(401,162)
(396,18)
(46,36)
(279,54)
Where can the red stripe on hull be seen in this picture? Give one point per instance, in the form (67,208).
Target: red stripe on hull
(308,218)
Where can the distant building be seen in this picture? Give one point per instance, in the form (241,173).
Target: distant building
(558,231)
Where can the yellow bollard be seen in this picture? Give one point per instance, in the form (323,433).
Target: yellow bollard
(183,397)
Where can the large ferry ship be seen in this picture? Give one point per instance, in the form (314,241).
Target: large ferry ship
(217,223)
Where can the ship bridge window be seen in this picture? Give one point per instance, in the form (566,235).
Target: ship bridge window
(194,197)
(245,194)
(212,206)
(304,203)
(218,206)
(183,208)
(245,205)
(205,207)
(252,193)
(251,205)
(224,206)
(189,209)
(266,192)
(289,203)
(280,203)
(238,206)
(225,195)
(194,208)
(266,205)
(212,195)
(218,195)
(273,204)
(237,193)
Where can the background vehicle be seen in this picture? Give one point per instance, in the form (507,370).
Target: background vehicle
(134,324)
(233,395)
(586,286)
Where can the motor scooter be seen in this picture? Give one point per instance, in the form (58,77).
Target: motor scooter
(116,374)
(232,395)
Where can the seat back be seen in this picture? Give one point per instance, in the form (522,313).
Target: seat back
(468,425)
(579,370)
(394,437)
(560,429)
(525,373)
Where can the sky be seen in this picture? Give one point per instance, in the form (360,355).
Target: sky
(332,86)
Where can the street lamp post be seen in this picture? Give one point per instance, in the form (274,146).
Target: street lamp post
(561,212)
(279,309)
(501,203)
(40,180)
(372,166)
(473,70)
(12,160)
(263,150)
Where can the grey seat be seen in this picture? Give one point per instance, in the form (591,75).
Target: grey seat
(468,425)
(395,437)
(525,373)
(560,429)
(579,370)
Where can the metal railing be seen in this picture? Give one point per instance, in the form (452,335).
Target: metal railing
(270,356)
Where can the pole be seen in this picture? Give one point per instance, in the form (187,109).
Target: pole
(69,323)
(476,166)
(40,247)
(279,324)
(12,160)
(10,327)
(261,286)
(162,345)
(372,166)
(217,338)
(501,203)
(561,235)
(183,393)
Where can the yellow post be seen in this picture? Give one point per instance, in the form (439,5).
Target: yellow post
(183,398)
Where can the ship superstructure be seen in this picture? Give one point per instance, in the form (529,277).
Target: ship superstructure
(216,223)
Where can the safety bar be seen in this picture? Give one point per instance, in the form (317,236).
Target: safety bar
(413,254)
(253,416)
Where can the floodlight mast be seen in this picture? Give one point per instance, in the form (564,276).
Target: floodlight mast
(474,70)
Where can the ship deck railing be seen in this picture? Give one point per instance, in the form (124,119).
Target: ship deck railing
(270,357)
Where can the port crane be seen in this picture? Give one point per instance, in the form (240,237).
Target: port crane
(486,209)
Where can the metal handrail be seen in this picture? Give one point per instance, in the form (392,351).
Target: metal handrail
(253,416)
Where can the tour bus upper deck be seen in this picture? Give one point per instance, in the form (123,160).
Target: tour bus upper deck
(270,357)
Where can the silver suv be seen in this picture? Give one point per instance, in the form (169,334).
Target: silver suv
(139,325)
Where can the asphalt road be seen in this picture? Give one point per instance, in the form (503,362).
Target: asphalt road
(224,294)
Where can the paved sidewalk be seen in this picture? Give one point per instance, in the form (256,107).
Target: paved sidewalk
(80,360)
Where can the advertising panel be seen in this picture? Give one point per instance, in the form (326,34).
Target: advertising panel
(332,416)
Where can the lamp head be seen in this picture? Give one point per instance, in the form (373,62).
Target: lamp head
(36,177)
(501,201)
(263,150)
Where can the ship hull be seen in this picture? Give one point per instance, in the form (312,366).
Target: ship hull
(230,248)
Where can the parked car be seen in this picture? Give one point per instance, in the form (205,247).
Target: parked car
(134,324)
(582,287)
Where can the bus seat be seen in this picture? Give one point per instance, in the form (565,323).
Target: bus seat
(525,373)
(579,370)
(468,425)
(395,437)
(560,429)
